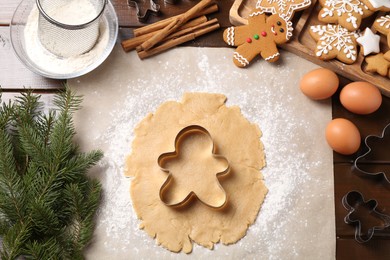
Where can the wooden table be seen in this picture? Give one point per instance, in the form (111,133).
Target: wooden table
(14,77)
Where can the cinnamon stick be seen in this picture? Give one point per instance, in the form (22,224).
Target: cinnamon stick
(132,43)
(192,29)
(161,24)
(175,24)
(187,31)
(176,41)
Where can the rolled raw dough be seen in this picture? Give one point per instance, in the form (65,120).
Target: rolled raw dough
(238,140)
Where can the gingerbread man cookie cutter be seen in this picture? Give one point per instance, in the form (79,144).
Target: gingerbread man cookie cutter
(163,158)
(382,140)
(354,202)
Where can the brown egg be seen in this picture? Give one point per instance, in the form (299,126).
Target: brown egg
(361,97)
(343,136)
(319,84)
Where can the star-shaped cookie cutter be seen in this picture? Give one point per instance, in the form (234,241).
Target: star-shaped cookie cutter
(383,137)
(352,201)
(185,132)
(154,9)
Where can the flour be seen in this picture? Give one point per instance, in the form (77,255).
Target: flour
(51,63)
(73,12)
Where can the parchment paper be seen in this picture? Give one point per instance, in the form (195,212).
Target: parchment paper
(297,218)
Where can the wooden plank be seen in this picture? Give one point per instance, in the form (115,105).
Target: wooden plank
(7,8)
(14,75)
(127,15)
(376,249)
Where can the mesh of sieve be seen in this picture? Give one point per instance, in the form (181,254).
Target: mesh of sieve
(69,27)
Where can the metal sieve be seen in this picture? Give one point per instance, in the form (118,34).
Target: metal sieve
(69,27)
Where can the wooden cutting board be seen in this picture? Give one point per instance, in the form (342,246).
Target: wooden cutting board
(303,45)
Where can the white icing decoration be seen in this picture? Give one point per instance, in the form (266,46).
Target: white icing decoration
(230,36)
(285,8)
(289,29)
(335,36)
(370,42)
(273,56)
(384,21)
(241,59)
(256,13)
(340,7)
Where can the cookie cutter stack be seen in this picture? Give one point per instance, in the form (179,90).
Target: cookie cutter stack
(143,17)
(359,210)
(163,158)
(67,40)
(154,9)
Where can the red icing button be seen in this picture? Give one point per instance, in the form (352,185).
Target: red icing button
(248,40)
(263,34)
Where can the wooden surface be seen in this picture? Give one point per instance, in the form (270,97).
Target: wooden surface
(346,178)
(302,44)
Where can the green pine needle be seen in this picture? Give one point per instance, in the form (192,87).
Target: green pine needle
(47,202)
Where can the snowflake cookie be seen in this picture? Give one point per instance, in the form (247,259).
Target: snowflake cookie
(334,41)
(260,36)
(382,25)
(285,8)
(347,13)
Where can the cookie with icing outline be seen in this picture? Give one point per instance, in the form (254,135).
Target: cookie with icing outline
(334,41)
(285,8)
(261,36)
(347,13)
(377,5)
(382,25)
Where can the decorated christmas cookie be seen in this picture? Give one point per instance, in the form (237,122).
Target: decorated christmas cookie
(260,36)
(347,13)
(382,25)
(377,5)
(369,42)
(285,8)
(334,41)
(378,64)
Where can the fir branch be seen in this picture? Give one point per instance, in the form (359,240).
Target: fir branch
(47,203)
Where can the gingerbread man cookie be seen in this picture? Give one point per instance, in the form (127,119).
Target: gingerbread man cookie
(260,36)
(382,25)
(334,41)
(285,8)
(347,13)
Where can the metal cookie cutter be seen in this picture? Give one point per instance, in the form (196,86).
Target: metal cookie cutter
(153,8)
(163,158)
(372,157)
(360,211)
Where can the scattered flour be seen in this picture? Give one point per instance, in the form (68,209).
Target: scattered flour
(73,12)
(297,174)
